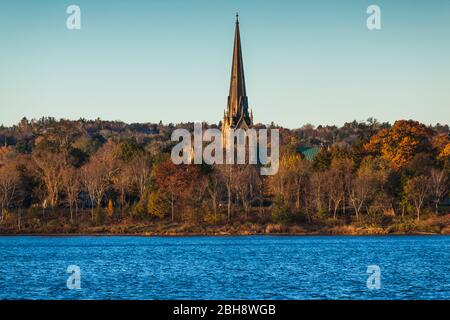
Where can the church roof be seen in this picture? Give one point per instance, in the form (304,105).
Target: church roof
(309,152)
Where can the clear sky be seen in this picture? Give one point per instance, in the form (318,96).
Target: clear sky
(305,61)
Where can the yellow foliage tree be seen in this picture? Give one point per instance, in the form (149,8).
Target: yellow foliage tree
(400,143)
(445,152)
(110,208)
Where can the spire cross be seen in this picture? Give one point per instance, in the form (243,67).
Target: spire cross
(237,17)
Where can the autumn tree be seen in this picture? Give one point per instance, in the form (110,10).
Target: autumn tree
(445,152)
(438,186)
(62,134)
(292,180)
(444,157)
(157,204)
(245,184)
(400,143)
(301,173)
(96,175)
(71,185)
(93,179)
(214,182)
(9,183)
(338,182)
(322,160)
(441,145)
(367,182)
(416,191)
(227,171)
(122,182)
(280,183)
(177,181)
(318,193)
(141,168)
(50,166)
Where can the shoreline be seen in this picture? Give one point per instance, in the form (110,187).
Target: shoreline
(432,226)
(312,234)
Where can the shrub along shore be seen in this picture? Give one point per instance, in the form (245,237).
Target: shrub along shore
(431,224)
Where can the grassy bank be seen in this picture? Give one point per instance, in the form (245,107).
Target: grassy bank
(431,225)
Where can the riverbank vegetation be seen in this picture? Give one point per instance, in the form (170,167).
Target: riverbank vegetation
(61,176)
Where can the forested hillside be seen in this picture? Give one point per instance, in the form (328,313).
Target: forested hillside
(107,176)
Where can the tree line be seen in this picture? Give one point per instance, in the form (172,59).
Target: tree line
(99,172)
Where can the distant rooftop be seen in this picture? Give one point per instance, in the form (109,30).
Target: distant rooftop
(309,152)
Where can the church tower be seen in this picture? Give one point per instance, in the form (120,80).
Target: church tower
(237,115)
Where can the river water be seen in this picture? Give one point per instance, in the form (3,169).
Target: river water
(248,267)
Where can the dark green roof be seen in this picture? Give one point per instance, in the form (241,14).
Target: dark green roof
(309,152)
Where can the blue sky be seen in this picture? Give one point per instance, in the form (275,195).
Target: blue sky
(305,61)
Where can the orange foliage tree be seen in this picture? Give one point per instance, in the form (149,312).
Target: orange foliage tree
(445,152)
(401,142)
(177,181)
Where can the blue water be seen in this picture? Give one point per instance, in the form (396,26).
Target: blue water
(257,267)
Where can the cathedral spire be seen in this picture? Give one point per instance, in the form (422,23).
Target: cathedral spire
(237,82)
(237,109)
(237,115)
